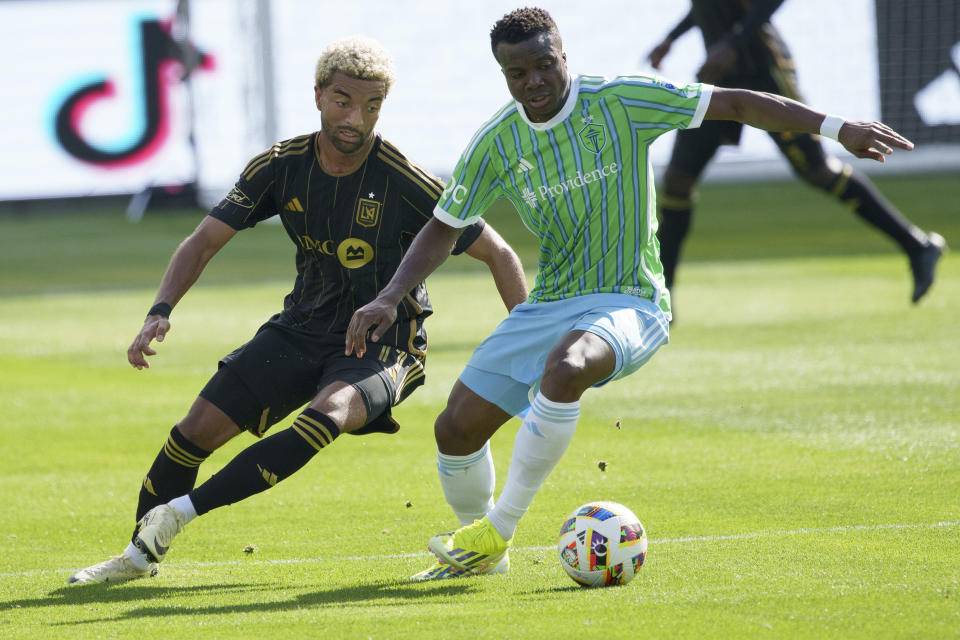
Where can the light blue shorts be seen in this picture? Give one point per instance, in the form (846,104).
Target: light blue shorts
(506,368)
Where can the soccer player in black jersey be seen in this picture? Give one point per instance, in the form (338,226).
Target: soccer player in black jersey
(351,203)
(745,51)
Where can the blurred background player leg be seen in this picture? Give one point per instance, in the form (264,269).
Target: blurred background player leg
(855,191)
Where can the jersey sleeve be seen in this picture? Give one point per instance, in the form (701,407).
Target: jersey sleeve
(474,186)
(251,199)
(658,105)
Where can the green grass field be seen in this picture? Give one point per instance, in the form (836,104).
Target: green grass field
(794,453)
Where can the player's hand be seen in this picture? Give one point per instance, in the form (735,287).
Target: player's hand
(153,327)
(380,314)
(658,53)
(720,59)
(872,140)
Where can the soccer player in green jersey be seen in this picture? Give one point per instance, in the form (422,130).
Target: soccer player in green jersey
(744,50)
(571,153)
(351,203)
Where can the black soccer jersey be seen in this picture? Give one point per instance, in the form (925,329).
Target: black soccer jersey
(746,23)
(350,232)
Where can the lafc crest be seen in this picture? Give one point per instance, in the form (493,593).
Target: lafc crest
(368,212)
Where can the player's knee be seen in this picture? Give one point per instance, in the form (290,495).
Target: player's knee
(456,433)
(452,431)
(206,426)
(566,377)
(822,176)
(818,179)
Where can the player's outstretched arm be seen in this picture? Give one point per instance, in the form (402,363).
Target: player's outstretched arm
(504,264)
(659,52)
(766,111)
(428,250)
(185,267)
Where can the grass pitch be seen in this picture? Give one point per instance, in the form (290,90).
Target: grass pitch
(794,453)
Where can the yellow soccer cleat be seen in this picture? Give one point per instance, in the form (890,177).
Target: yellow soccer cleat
(442,571)
(477,547)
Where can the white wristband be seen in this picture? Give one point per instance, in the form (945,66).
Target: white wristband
(830,127)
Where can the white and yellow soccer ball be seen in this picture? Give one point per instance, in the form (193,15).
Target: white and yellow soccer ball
(602,544)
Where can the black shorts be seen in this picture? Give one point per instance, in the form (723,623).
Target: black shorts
(281,370)
(694,148)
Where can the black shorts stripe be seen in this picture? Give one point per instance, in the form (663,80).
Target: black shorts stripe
(412,377)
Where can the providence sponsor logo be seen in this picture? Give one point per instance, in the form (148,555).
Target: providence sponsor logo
(578,180)
(531,198)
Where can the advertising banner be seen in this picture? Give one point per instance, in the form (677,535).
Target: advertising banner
(95,100)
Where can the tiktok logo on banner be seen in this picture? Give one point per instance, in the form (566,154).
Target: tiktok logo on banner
(162,62)
(939,102)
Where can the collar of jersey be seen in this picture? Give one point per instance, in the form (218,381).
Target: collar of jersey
(562,115)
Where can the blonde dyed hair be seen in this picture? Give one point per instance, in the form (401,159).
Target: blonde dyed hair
(358,57)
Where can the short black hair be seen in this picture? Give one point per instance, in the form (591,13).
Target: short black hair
(520,25)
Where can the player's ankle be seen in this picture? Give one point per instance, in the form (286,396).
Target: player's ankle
(137,558)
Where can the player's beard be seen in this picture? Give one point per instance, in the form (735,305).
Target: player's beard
(331,131)
(348,147)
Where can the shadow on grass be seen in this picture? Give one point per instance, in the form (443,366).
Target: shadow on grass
(343,596)
(105,593)
(564,589)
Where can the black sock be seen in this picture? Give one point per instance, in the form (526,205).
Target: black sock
(265,463)
(859,193)
(675,217)
(173,473)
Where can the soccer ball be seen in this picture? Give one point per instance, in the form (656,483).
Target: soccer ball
(602,544)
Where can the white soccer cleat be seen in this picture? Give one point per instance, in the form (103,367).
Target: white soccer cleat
(156,531)
(116,569)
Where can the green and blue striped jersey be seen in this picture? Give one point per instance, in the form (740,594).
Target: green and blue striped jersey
(582,182)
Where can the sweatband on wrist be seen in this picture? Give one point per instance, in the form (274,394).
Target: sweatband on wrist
(830,127)
(160,309)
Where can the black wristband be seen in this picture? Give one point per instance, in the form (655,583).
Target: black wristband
(160,309)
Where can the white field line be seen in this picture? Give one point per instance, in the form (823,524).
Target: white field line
(425,554)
